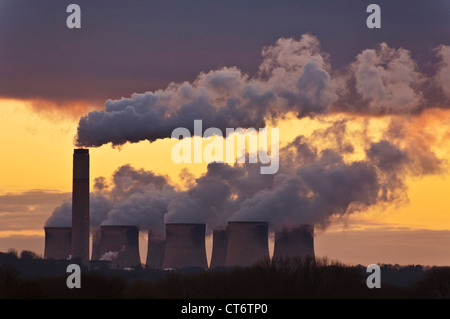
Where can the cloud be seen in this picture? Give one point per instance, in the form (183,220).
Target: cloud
(136,46)
(388,81)
(134,197)
(443,74)
(295,76)
(293,79)
(29,209)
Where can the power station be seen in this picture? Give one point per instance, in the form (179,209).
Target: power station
(58,243)
(155,251)
(248,243)
(239,244)
(121,243)
(185,246)
(297,241)
(219,248)
(80,206)
(96,242)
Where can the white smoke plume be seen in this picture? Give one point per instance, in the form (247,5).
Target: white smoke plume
(316,180)
(295,76)
(110,256)
(293,79)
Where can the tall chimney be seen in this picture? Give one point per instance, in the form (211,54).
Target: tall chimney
(80,206)
(295,242)
(155,251)
(248,243)
(57,242)
(185,246)
(219,249)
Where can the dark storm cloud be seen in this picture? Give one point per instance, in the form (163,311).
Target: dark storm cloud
(135,46)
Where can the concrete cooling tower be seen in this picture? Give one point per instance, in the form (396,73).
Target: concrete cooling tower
(185,246)
(96,242)
(294,242)
(58,242)
(248,242)
(155,251)
(80,206)
(219,249)
(120,244)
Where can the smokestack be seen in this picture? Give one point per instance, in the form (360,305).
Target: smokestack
(248,242)
(80,206)
(155,251)
(185,246)
(123,242)
(57,242)
(219,250)
(294,242)
(96,242)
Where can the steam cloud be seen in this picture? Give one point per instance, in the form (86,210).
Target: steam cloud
(317,179)
(294,77)
(314,184)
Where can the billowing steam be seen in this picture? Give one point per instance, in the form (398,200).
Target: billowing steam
(329,173)
(294,77)
(110,256)
(314,184)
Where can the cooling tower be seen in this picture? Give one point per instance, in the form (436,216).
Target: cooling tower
(57,242)
(96,242)
(121,245)
(155,252)
(185,246)
(295,242)
(219,249)
(248,242)
(80,206)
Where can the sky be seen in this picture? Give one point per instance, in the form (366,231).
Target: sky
(363,115)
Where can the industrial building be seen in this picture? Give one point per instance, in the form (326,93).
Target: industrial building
(96,242)
(219,248)
(185,246)
(240,244)
(296,241)
(122,244)
(80,206)
(155,251)
(248,243)
(58,243)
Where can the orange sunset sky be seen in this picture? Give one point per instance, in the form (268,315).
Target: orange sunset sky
(37,153)
(135,70)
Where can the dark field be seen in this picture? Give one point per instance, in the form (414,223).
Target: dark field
(28,276)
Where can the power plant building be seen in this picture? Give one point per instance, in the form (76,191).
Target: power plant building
(155,251)
(294,242)
(80,206)
(248,243)
(185,246)
(121,244)
(58,243)
(219,248)
(96,242)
